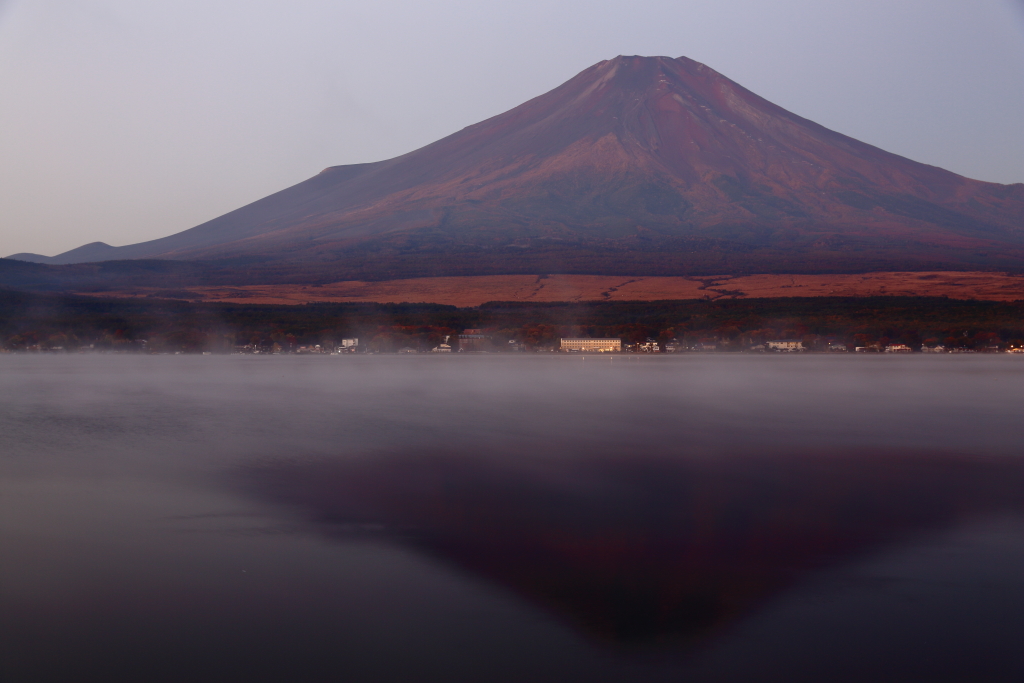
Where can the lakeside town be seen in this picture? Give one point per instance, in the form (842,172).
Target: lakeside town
(480,341)
(56,323)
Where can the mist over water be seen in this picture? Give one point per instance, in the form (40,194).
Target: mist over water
(467,518)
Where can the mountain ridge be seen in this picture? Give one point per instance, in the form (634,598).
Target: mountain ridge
(637,162)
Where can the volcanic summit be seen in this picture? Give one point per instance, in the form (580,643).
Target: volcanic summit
(638,165)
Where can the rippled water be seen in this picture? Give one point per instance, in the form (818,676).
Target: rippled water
(422,518)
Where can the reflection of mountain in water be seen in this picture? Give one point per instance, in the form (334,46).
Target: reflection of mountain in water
(640,549)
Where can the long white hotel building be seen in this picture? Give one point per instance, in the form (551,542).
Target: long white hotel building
(595,345)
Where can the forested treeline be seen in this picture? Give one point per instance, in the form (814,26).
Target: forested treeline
(51,321)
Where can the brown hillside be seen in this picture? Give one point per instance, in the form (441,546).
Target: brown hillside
(473,291)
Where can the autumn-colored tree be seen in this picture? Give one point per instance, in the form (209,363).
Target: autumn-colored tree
(539,336)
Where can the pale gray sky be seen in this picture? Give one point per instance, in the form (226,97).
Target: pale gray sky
(126,120)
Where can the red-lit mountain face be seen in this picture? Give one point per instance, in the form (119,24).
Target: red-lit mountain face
(638,165)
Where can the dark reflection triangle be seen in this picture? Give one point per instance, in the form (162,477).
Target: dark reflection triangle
(647,549)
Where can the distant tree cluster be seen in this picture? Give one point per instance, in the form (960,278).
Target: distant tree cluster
(40,322)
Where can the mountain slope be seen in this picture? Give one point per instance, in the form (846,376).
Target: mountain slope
(636,165)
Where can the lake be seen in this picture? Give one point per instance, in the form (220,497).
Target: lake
(511,517)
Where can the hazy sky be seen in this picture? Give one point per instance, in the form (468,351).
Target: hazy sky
(126,120)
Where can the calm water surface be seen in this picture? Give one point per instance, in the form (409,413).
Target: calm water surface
(697,518)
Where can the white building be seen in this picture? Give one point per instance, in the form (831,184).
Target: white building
(784,345)
(594,345)
(897,348)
